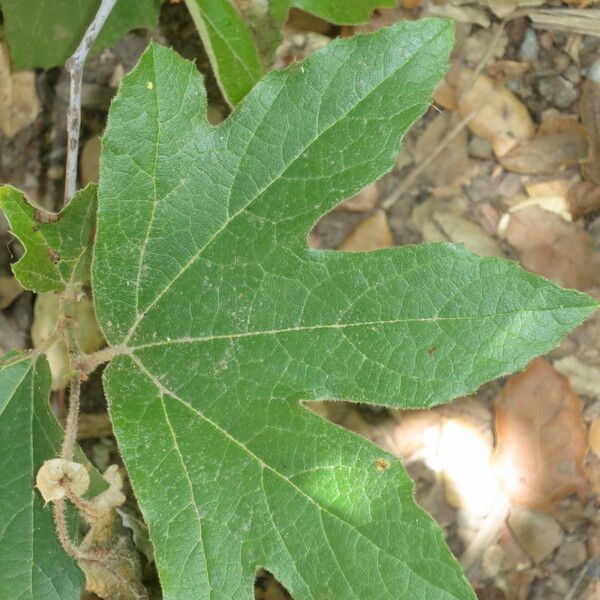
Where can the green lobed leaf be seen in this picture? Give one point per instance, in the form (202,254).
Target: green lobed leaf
(58,247)
(224,320)
(347,12)
(44,33)
(33,566)
(230,45)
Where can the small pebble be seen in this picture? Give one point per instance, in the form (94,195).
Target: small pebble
(594,71)
(480,148)
(570,555)
(558,91)
(530,48)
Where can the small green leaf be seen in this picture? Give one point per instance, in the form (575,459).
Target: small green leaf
(58,247)
(44,33)
(225,320)
(33,566)
(229,44)
(346,12)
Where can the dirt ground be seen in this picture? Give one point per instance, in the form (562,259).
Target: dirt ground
(507,162)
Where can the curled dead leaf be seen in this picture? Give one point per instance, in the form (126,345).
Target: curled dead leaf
(448,166)
(583,198)
(550,246)
(10,290)
(497,114)
(365,200)
(19,102)
(541,437)
(57,473)
(561,142)
(589,110)
(371,234)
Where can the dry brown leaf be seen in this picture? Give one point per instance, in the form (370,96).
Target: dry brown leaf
(10,290)
(584,378)
(507,70)
(549,195)
(499,116)
(87,333)
(538,533)
(448,166)
(19,102)
(589,110)
(550,246)
(365,200)
(561,142)
(110,562)
(583,198)
(541,437)
(90,160)
(503,8)
(462,14)
(371,234)
(595,436)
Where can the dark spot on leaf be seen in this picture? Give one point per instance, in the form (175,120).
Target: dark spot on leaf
(382,464)
(432,350)
(54,256)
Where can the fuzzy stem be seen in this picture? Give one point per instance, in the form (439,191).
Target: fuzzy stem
(75,67)
(72,419)
(62,531)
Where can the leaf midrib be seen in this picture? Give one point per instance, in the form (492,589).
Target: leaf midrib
(335,326)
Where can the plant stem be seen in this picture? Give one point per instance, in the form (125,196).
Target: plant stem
(62,532)
(75,67)
(72,419)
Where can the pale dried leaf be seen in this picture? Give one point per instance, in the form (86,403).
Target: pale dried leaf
(554,248)
(371,234)
(595,436)
(10,290)
(19,102)
(90,160)
(462,14)
(541,437)
(503,8)
(55,474)
(583,198)
(549,195)
(499,116)
(87,333)
(537,532)
(589,109)
(561,142)
(462,231)
(584,379)
(365,200)
(445,169)
(582,21)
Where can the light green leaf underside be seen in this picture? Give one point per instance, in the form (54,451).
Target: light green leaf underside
(225,319)
(57,253)
(33,566)
(346,12)
(44,33)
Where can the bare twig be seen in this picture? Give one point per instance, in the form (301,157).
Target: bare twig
(72,419)
(488,533)
(75,67)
